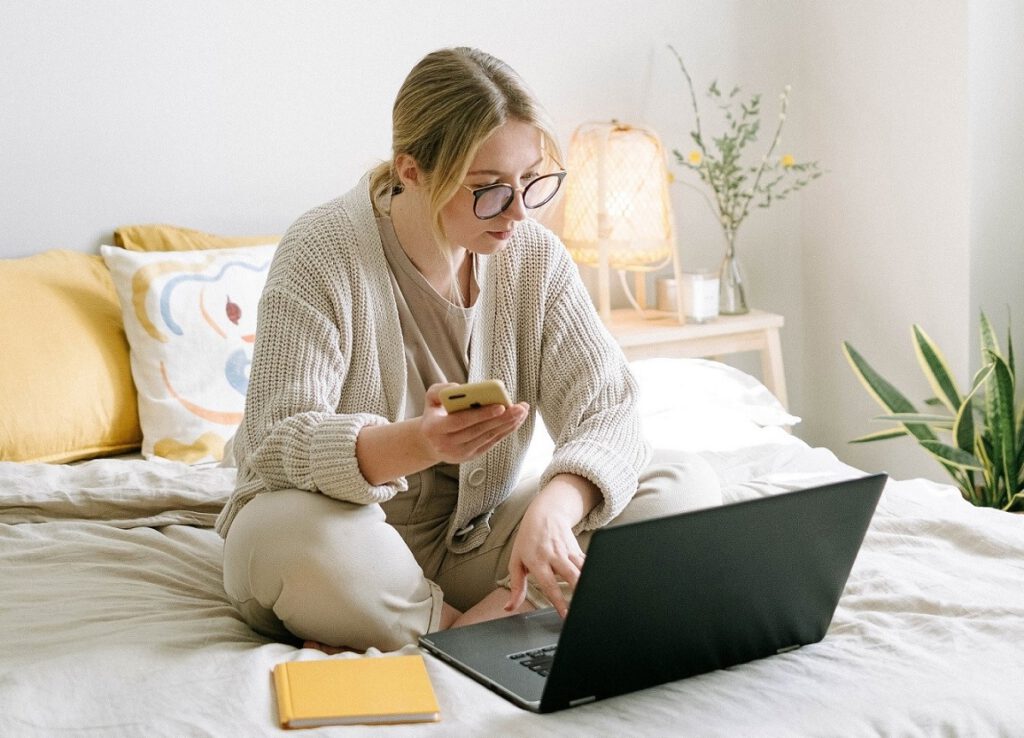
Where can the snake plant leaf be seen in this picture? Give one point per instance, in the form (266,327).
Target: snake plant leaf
(881,435)
(1009,350)
(1016,500)
(982,451)
(963,428)
(988,336)
(935,368)
(885,394)
(1020,443)
(939,421)
(1003,421)
(950,455)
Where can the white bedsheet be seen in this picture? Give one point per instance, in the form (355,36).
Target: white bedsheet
(113,621)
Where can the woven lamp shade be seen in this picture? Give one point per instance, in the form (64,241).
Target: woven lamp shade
(618,214)
(618,194)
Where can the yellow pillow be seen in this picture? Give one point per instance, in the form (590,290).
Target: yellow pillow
(172,238)
(66,388)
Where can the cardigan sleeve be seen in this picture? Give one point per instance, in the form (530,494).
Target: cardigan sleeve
(588,397)
(292,434)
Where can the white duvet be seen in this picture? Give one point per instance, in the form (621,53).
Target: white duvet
(113,621)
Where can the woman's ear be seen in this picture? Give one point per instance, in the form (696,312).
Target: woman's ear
(408,171)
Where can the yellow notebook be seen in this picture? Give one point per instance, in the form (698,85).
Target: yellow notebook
(384,689)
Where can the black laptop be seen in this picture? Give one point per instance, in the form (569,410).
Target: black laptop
(672,597)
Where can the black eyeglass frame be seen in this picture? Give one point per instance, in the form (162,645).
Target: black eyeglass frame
(479,192)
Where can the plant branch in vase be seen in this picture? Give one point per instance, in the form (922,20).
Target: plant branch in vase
(737,186)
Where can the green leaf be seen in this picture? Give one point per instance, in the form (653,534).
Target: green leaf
(963,428)
(988,337)
(950,455)
(1002,425)
(1020,444)
(885,394)
(1009,350)
(982,450)
(928,418)
(935,368)
(1017,498)
(881,435)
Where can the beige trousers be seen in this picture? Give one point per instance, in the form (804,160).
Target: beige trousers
(301,564)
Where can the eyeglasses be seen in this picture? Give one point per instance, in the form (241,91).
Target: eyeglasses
(493,200)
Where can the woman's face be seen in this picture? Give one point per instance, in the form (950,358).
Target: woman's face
(512,155)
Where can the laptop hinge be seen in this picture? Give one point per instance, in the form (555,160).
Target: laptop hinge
(581,701)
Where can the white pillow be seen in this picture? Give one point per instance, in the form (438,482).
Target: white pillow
(706,406)
(692,405)
(190,318)
(699,385)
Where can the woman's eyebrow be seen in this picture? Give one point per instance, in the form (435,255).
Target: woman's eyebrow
(496,173)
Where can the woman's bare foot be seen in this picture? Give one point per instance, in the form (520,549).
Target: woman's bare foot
(329,650)
(448,616)
(490,607)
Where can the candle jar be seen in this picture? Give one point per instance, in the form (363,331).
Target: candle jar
(699,294)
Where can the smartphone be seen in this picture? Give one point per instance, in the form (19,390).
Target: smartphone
(475,394)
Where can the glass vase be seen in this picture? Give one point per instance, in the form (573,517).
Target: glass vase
(732,298)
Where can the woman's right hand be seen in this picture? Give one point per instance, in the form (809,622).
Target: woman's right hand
(457,437)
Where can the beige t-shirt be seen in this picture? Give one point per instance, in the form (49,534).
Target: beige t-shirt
(436,334)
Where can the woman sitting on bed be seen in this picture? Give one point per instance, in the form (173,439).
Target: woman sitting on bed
(364,514)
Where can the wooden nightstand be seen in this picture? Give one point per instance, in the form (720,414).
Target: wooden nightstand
(661,335)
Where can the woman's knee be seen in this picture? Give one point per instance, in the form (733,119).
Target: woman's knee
(327,570)
(673,482)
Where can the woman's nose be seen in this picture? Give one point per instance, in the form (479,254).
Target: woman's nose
(517,208)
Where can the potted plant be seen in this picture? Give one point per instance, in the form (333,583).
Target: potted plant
(738,186)
(979,439)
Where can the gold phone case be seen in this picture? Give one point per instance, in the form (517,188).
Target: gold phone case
(475,394)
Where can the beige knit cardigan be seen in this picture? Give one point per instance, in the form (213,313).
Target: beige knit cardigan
(329,360)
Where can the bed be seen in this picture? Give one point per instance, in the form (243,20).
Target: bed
(114,622)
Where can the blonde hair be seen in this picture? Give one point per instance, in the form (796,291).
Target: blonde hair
(450,102)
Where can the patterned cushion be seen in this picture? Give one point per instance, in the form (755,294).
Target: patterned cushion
(190,318)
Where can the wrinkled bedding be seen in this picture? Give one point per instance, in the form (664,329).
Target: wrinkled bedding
(113,621)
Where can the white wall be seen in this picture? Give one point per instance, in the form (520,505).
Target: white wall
(996,114)
(886,237)
(234,117)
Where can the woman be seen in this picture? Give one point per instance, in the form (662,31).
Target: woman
(364,514)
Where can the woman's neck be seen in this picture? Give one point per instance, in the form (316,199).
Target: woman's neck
(437,264)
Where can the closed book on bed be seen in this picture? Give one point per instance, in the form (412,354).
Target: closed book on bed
(342,691)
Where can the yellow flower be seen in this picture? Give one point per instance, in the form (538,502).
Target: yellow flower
(695,158)
(788,161)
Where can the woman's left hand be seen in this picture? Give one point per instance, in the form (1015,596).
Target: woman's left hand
(545,546)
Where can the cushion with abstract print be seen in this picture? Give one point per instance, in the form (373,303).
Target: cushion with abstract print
(190,318)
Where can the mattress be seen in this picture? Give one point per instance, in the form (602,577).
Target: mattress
(114,621)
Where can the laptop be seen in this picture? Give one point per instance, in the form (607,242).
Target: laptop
(668,598)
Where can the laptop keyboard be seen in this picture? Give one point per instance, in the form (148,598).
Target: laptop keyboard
(537,659)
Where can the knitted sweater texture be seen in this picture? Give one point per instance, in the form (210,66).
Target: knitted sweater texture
(329,360)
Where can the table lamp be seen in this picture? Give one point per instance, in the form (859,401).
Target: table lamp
(617,209)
